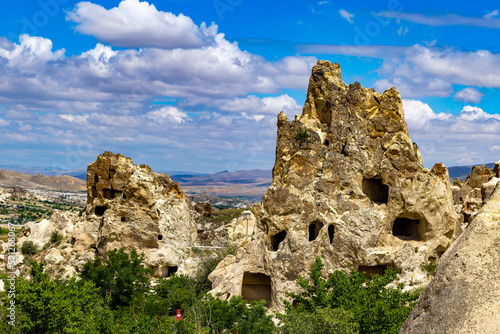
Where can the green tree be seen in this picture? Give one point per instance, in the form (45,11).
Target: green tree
(49,306)
(172,293)
(121,276)
(376,307)
(319,321)
(29,248)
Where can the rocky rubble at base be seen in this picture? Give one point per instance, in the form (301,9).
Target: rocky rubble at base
(348,185)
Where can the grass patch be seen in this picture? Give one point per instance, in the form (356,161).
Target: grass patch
(226,215)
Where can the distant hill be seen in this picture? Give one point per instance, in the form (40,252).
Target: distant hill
(60,182)
(461,172)
(248,183)
(244,183)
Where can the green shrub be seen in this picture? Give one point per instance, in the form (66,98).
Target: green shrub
(55,237)
(320,321)
(121,276)
(303,134)
(375,307)
(430,268)
(29,248)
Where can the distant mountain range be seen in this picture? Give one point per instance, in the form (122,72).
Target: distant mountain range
(245,183)
(461,172)
(59,182)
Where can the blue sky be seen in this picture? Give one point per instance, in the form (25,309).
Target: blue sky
(196,85)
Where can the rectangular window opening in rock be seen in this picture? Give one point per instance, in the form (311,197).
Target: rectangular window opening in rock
(408,229)
(375,190)
(331,233)
(255,287)
(99,210)
(314,229)
(277,239)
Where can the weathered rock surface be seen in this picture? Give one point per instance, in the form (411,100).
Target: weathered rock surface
(464,295)
(128,207)
(348,185)
(135,208)
(471,195)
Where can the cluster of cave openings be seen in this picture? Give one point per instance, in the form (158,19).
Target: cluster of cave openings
(375,190)
(110,193)
(277,239)
(99,210)
(408,229)
(314,229)
(369,271)
(256,287)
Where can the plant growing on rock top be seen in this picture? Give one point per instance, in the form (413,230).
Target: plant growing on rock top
(303,134)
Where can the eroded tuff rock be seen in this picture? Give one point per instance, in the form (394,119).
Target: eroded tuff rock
(135,208)
(464,295)
(348,185)
(472,194)
(128,207)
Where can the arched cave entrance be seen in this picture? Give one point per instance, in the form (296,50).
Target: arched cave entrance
(314,229)
(375,190)
(255,287)
(277,239)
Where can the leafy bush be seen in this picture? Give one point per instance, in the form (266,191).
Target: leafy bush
(122,276)
(375,307)
(303,134)
(50,306)
(430,268)
(55,237)
(320,321)
(212,315)
(29,248)
(172,293)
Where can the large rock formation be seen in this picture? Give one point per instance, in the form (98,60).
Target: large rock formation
(135,208)
(464,295)
(348,185)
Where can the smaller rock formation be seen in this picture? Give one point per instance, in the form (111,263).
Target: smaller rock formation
(471,195)
(135,208)
(464,295)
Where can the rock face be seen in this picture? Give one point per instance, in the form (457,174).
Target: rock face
(134,208)
(348,185)
(128,207)
(470,195)
(464,295)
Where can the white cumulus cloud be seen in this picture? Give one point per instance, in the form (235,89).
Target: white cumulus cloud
(468,95)
(169,114)
(139,24)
